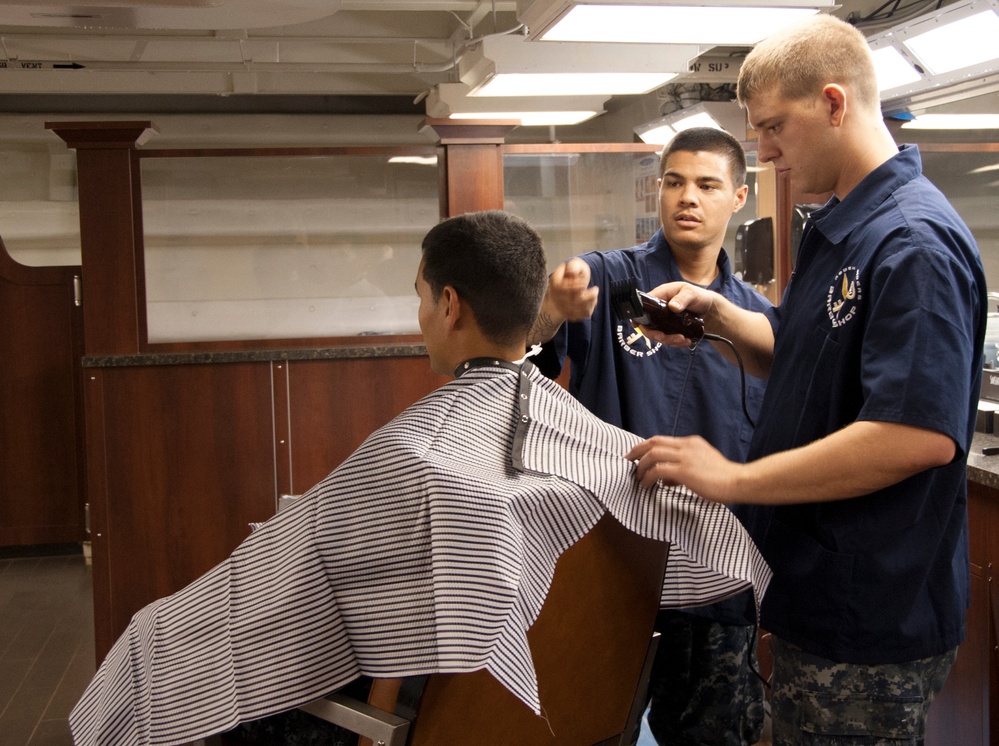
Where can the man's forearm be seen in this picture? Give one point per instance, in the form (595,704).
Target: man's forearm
(749,331)
(861,458)
(546,324)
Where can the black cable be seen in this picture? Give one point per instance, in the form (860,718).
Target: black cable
(756,669)
(742,371)
(745,411)
(877,17)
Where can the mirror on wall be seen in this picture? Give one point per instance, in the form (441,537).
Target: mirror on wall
(595,201)
(274,247)
(305,246)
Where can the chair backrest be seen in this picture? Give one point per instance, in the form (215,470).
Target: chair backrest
(589,647)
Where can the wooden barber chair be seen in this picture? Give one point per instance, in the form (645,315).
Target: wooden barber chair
(592,646)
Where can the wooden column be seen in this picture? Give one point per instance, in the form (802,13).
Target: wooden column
(114,305)
(471,163)
(782,234)
(788,197)
(767,206)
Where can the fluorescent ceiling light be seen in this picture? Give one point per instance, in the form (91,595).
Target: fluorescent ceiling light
(722,115)
(892,69)
(984,169)
(953,122)
(531,118)
(710,22)
(700,119)
(451,101)
(952,51)
(572,84)
(963,43)
(675,24)
(656,134)
(509,65)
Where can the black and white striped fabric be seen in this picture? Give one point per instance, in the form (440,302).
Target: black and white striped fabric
(431,549)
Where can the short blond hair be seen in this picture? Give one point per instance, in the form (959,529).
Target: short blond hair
(799,61)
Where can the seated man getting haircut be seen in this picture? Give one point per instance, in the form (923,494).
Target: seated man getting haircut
(424,551)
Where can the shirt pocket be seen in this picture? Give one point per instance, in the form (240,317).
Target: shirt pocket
(860,719)
(811,585)
(828,394)
(755,388)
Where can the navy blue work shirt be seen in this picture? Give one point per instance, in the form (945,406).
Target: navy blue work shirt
(883,320)
(650,389)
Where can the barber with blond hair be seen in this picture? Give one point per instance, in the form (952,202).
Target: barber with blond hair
(873,358)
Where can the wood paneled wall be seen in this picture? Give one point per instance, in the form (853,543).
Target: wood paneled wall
(334,405)
(185,457)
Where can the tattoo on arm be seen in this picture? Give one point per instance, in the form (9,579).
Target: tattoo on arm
(544,328)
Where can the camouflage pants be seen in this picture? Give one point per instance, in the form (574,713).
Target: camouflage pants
(818,702)
(704,690)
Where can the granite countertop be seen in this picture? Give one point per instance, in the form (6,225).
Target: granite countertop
(250,356)
(981,468)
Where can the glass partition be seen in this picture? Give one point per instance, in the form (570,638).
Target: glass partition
(594,201)
(39,213)
(970,180)
(279,247)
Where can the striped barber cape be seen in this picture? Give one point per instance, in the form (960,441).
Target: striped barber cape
(431,549)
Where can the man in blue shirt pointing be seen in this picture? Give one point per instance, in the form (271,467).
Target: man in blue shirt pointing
(703,687)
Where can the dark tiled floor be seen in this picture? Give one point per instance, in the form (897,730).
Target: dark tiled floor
(46,646)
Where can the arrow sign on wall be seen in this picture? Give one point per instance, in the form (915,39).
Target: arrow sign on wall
(26,65)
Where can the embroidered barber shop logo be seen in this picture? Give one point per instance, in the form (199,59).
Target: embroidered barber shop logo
(635,343)
(844,296)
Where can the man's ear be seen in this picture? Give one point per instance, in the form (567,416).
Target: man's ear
(452,306)
(834,99)
(740,198)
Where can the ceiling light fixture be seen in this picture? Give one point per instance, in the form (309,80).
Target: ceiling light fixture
(939,57)
(451,101)
(513,66)
(722,115)
(708,22)
(892,69)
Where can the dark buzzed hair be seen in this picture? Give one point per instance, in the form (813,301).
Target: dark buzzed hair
(496,262)
(710,140)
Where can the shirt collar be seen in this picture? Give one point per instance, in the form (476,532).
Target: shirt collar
(836,219)
(659,245)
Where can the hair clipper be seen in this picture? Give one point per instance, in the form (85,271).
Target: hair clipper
(630,303)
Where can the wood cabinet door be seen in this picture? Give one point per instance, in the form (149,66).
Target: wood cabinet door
(333,405)
(182,461)
(960,714)
(41,445)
